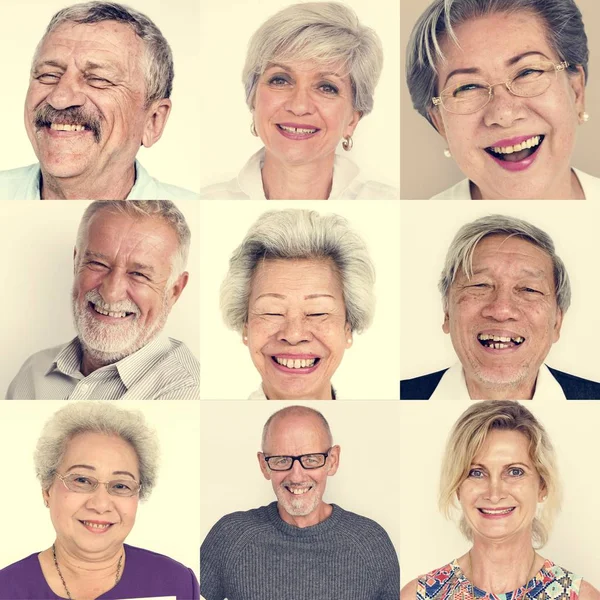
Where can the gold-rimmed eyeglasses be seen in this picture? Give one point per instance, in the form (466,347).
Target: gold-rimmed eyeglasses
(84,484)
(470,95)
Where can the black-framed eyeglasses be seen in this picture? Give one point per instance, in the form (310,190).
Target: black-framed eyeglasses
(308,461)
(84,484)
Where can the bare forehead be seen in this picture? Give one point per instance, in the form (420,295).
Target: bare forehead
(509,445)
(295,430)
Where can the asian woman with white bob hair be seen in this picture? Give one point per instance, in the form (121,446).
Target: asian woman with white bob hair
(309,78)
(299,286)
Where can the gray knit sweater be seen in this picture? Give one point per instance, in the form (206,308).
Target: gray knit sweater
(255,555)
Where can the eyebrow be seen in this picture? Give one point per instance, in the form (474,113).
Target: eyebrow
(537,273)
(282,297)
(289,69)
(509,62)
(137,266)
(50,63)
(512,464)
(94,468)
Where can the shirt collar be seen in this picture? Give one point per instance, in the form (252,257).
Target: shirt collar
(250,177)
(131,369)
(453,387)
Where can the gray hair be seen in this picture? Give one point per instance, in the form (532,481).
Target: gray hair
(300,411)
(301,234)
(468,436)
(158,60)
(96,417)
(326,32)
(460,253)
(564,29)
(140,209)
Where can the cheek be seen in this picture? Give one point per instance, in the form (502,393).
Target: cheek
(259,332)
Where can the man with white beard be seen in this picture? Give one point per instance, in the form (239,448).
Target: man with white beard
(299,547)
(129,270)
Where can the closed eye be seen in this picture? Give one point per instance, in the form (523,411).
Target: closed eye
(48,78)
(317,314)
(531,290)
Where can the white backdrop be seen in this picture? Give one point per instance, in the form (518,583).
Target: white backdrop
(226,29)
(426,232)
(168,522)
(366,482)
(429,541)
(174,158)
(36,241)
(369,369)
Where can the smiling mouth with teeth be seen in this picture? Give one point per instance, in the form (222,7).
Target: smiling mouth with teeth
(496,511)
(298,491)
(296,363)
(99,526)
(498,341)
(517,152)
(297,130)
(66,127)
(114,314)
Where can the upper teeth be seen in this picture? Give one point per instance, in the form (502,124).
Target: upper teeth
(96,525)
(530,143)
(65,127)
(297,129)
(497,511)
(292,363)
(298,491)
(109,313)
(499,338)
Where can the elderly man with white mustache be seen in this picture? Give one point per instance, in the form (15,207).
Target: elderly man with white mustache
(129,266)
(299,547)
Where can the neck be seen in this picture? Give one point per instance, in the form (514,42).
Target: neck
(523,390)
(86,566)
(309,181)
(501,567)
(322,512)
(90,364)
(324,393)
(562,187)
(111,185)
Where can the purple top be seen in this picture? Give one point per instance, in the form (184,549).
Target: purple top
(146,574)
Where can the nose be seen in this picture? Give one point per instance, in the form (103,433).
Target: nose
(294,330)
(100,500)
(495,489)
(297,471)
(501,306)
(113,287)
(66,93)
(299,101)
(504,108)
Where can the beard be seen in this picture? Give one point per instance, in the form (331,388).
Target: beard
(108,343)
(302,505)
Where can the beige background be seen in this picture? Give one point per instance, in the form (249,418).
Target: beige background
(426,231)
(369,368)
(174,158)
(366,482)
(167,523)
(429,541)
(226,144)
(37,241)
(425,171)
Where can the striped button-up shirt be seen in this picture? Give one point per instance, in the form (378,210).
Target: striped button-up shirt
(164,369)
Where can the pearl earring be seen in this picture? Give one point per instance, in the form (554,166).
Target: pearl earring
(245,338)
(447,153)
(584,117)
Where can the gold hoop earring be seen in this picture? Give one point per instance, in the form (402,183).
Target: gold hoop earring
(253,129)
(348,143)
(447,153)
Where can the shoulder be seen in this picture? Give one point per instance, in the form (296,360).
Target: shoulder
(226,190)
(20,568)
(371,190)
(576,388)
(22,579)
(256,517)
(460,191)
(589,184)
(147,187)
(420,388)
(588,592)
(409,591)
(154,560)
(20,184)
(363,531)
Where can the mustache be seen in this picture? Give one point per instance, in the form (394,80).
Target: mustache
(74,115)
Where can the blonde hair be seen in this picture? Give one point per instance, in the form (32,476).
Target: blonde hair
(468,436)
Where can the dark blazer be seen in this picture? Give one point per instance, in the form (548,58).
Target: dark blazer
(574,388)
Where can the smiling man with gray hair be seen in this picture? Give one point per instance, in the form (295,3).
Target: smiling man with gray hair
(505,292)
(129,264)
(100,87)
(298,547)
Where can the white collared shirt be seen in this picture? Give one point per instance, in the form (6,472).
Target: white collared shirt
(25,184)
(453,387)
(462,190)
(248,184)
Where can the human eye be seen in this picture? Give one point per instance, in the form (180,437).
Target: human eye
(96,264)
(516,472)
(279,461)
(98,82)
(317,314)
(140,275)
(476,473)
(530,290)
(329,89)
(531,72)
(312,459)
(278,80)
(121,487)
(48,78)
(466,89)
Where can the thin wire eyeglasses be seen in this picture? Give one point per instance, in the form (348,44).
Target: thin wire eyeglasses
(315,460)
(84,484)
(527,82)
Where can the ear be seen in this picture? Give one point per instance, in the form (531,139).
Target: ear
(264,467)
(156,119)
(557,325)
(74,259)
(178,287)
(436,116)
(348,334)
(46,497)
(333,460)
(543,493)
(577,82)
(245,334)
(446,323)
(356,116)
